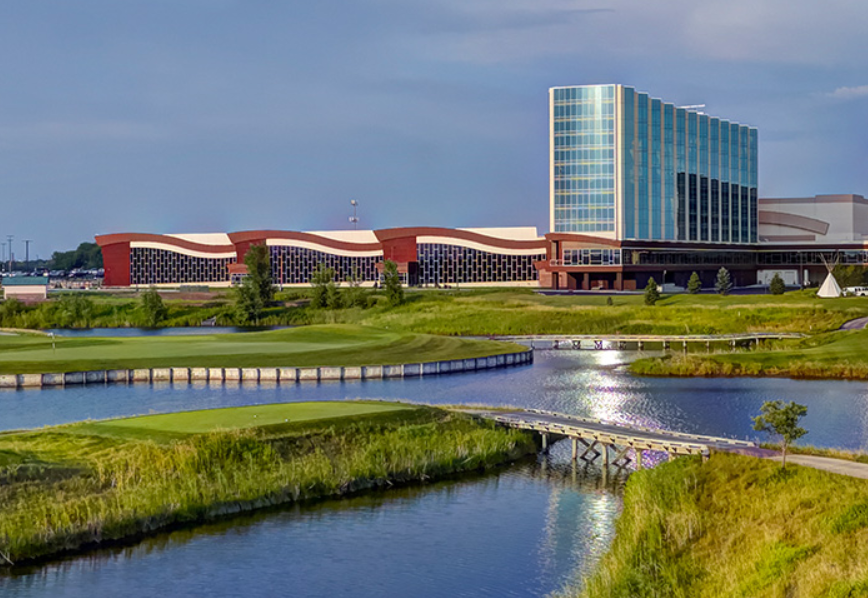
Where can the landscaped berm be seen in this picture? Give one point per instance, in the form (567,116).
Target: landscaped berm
(326,345)
(69,487)
(737,527)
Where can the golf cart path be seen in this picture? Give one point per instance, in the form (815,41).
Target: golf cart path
(840,466)
(857,324)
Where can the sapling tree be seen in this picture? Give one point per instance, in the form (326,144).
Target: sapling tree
(256,291)
(694,285)
(652,295)
(723,284)
(392,283)
(781,420)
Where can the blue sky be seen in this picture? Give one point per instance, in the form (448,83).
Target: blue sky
(217,115)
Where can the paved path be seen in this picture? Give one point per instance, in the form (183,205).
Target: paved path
(857,324)
(832,465)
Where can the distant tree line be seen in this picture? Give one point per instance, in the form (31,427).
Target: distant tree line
(87,256)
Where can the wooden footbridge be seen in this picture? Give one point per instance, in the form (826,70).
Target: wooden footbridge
(639,341)
(615,443)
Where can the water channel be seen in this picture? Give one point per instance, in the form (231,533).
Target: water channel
(523,531)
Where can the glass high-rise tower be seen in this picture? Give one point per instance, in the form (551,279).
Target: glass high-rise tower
(627,166)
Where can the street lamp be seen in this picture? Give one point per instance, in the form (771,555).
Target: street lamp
(354,219)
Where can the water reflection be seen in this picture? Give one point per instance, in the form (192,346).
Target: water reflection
(587,383)
(523,531)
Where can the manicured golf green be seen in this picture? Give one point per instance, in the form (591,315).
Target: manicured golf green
(235,418)
(326,345)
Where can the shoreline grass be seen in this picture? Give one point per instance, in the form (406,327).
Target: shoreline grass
(327,345)
(736,526)
(838,355)
(70,487)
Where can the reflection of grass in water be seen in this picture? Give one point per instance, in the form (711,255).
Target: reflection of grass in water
(63,489)
(737,526)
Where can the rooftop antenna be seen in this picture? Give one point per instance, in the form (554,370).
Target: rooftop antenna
(354,219)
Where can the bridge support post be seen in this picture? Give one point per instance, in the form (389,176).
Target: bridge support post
(605,457)
(641,345)
(684,346)
(545,443)
(732,344)
(575,442)
(638,459)
(665,345)
(708,346)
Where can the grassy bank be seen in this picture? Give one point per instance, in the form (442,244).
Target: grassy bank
(738,527)
(69,487)
(478,312)
(524,312)
(839,355)
(345,345)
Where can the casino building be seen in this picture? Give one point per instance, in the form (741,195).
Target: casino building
(638,188)
(425,256)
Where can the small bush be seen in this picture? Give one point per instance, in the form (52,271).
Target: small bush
(777,286)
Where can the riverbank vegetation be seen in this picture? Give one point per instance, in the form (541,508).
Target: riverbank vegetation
(737,526)
(465,312)
(840,355)
(326,345)
(69,487)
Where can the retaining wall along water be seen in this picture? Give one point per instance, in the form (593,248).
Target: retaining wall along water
(279,375)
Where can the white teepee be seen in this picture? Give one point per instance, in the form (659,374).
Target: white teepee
(830,286)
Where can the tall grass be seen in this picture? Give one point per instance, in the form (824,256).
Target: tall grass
(839,355)
(60,491)
(736,526)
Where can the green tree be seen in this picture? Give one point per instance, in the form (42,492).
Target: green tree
(256,291)
(75,311)
(783,421)
(694,285)
(652,295)
(849,276)
(154,309)
(87,256)
(723,284)
(392,283)
(355,295)
(777,286)
(320,280)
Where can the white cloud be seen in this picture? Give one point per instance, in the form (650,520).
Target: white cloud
(849,93)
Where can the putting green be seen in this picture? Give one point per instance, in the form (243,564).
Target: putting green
(331,345)
(234,418)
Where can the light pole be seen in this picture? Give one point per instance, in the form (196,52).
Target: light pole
(9,238)
(27,253)
(354,219)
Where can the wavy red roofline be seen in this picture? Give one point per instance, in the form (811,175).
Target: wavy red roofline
(112,239)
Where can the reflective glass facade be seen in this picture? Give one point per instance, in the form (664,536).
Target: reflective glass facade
(628,166)
(583,142)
